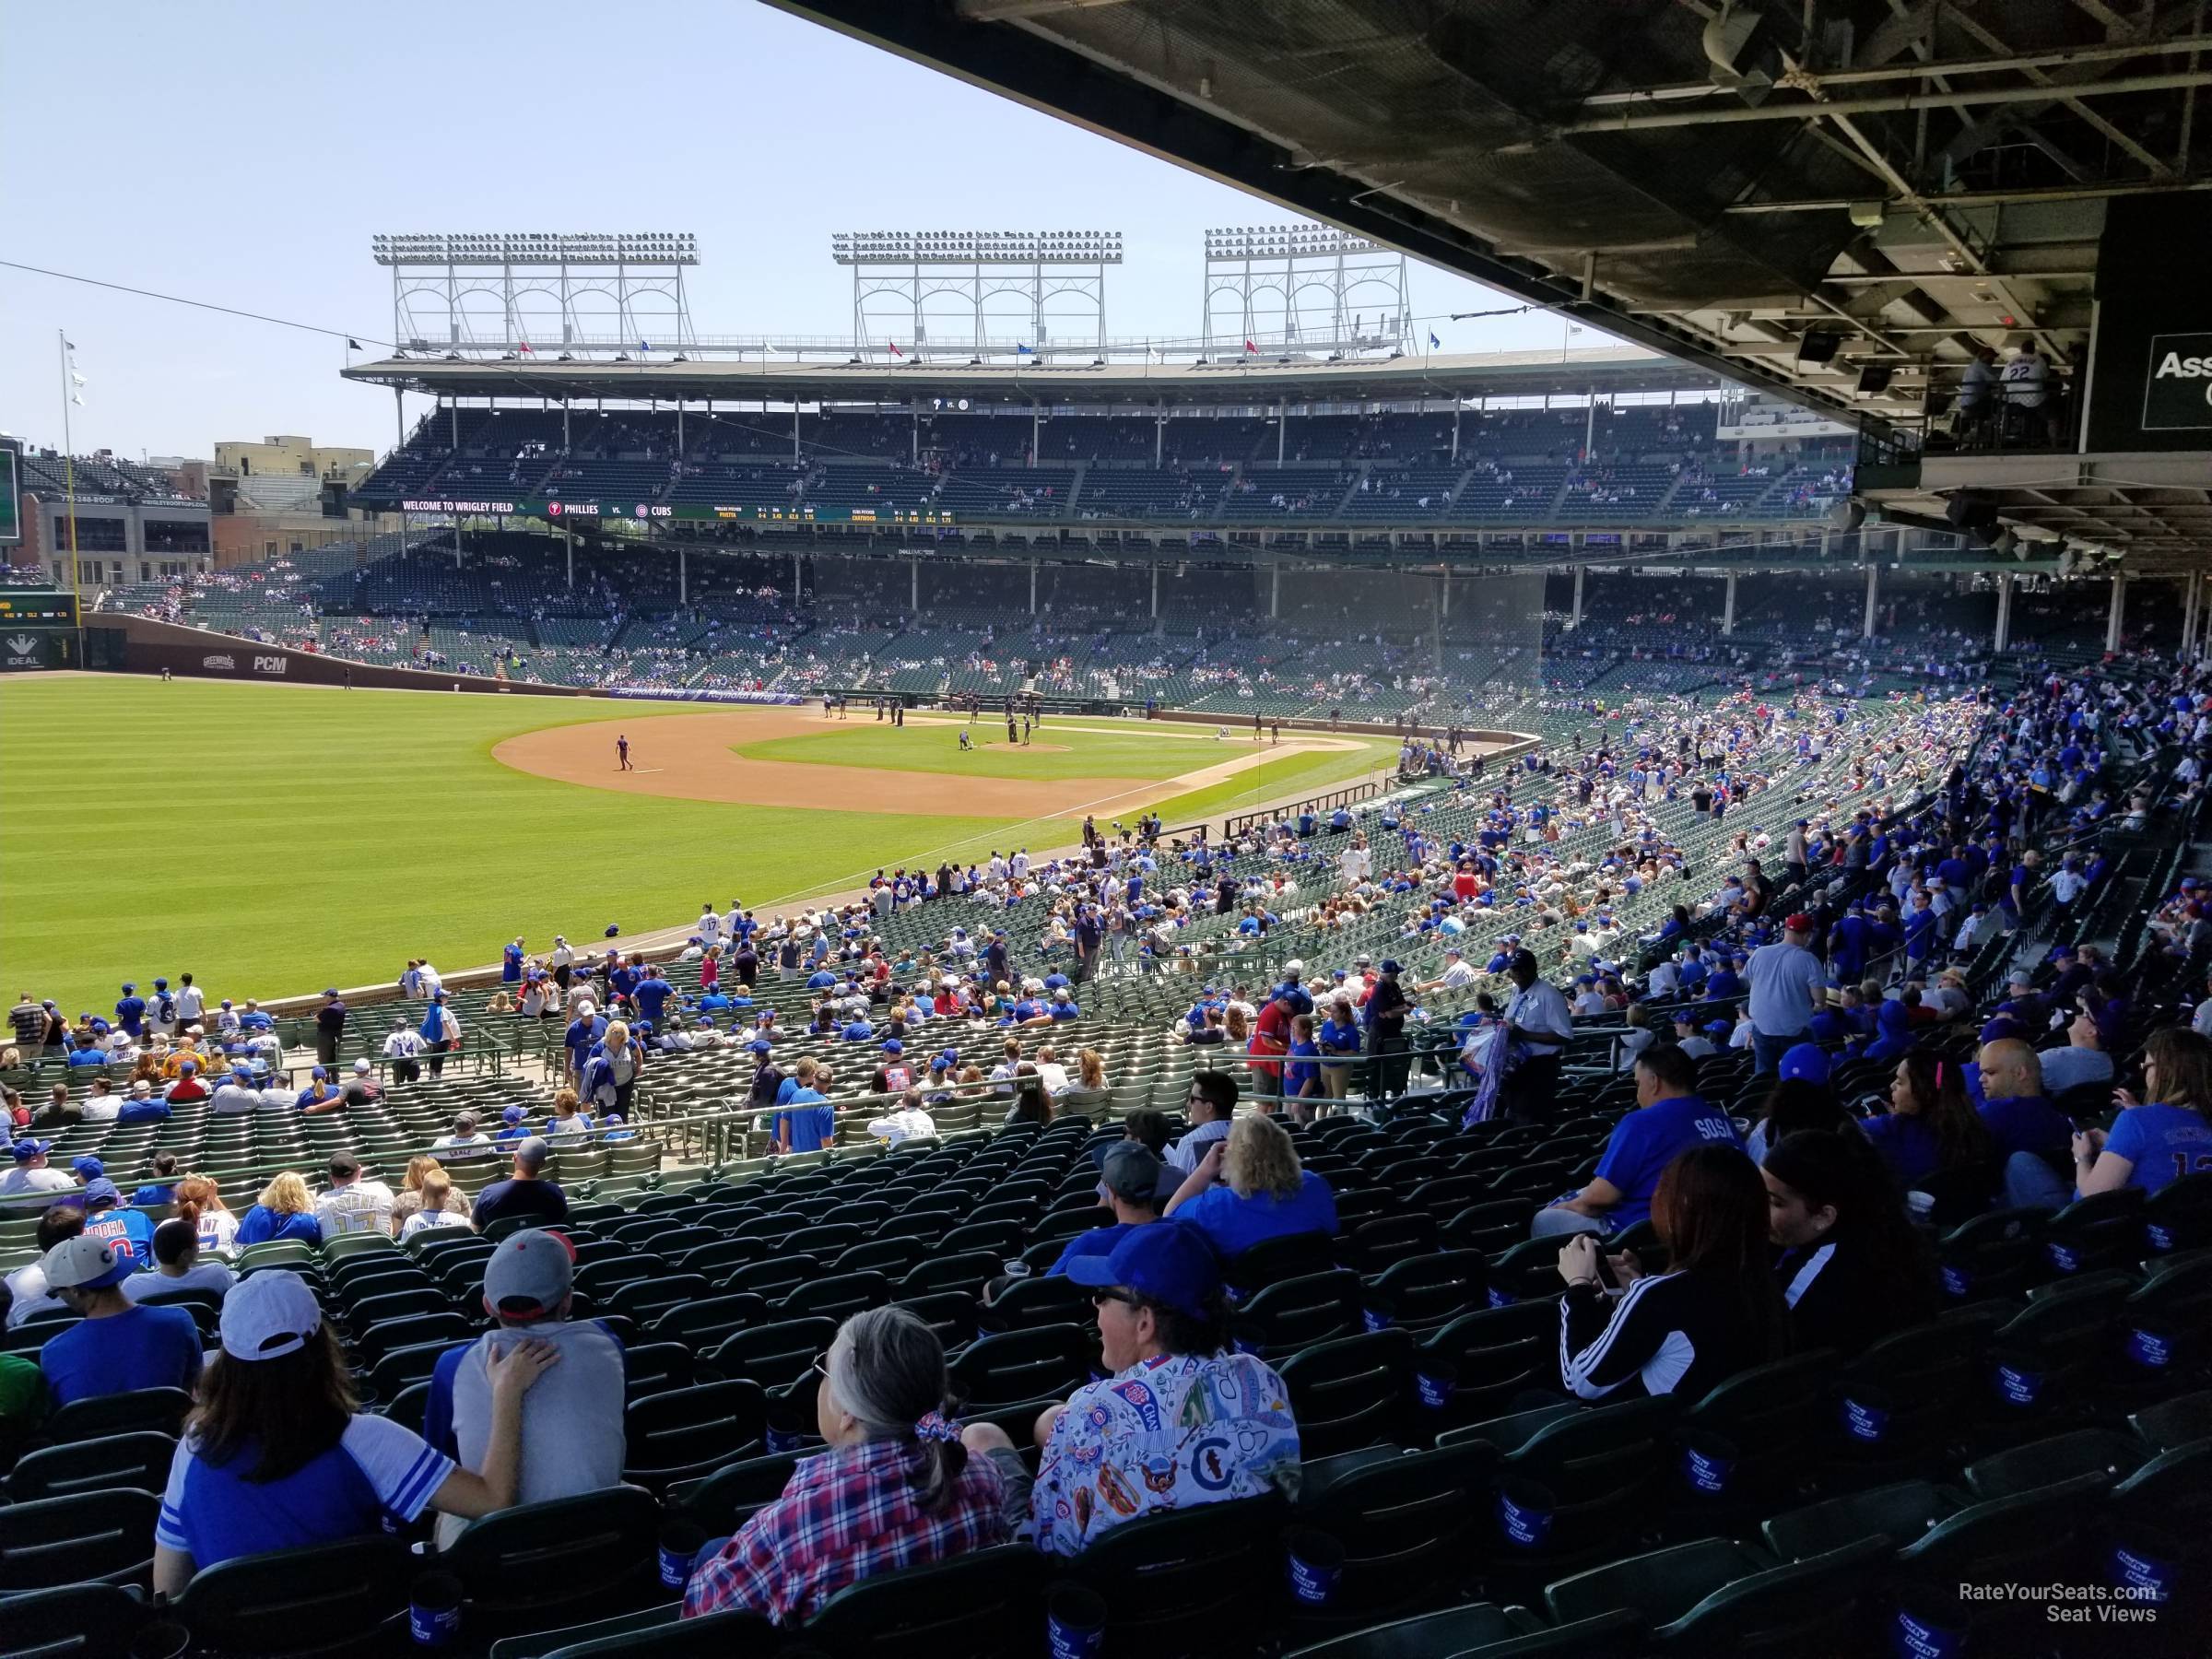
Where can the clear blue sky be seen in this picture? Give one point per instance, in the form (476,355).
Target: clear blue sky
(244,153)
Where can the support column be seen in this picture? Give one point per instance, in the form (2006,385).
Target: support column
(2113,623)
(794,577)
(1590,426)
(1455,429)
(1576,621)
(454,409)
(399,416)
(1156,590)
(567,538)
(794,429)
(1275,591)
(679,428)
(564,427)
(1036,432)
(2003,642)
(683,576)
(2189,594)
(915,446)
(1728,606)
(914,585)
(1282,427)
(1445,574)
(1873,588)
(1160,431)
(1436,626)
(1033,587)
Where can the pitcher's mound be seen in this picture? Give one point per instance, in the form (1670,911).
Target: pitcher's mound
(1050,748)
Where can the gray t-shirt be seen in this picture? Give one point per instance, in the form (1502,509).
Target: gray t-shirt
(572,1439)
(1787,982)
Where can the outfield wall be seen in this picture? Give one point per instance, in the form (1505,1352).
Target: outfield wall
(146,645)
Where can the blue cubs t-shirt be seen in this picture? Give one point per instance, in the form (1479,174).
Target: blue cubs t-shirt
(1650,1138)
(379,1476)
(652,997)
(811,1120)
(129,1233)
(1233,1225)
(2164,1143)
(147,1347)
(2027,1123)
(1908,1144)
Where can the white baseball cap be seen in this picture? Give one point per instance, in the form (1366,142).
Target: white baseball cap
(269,1314)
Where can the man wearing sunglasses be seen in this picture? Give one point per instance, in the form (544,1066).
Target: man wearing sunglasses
(1212,1103)
(1180,1420)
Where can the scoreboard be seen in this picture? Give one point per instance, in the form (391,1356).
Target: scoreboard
(37,607)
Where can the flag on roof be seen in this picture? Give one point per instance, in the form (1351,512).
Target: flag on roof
(643,347)
(1250,347)
(1021,350)
(1434,344)
(526,346)
(352,344)
(894,346)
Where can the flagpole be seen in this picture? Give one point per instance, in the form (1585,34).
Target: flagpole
(76,580)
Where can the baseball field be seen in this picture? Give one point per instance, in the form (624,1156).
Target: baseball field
(275,839)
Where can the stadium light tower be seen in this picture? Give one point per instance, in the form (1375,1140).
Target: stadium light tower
(582,291)
(1323,281)
(908,268)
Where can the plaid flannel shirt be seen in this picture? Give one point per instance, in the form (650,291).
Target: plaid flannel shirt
(846,1514)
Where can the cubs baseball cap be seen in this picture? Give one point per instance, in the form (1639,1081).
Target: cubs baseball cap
(26,1148)
(513,1114)
(88,1169)
(83,1264)
(1131,1169)
(760,1046)
(1163,1261)
(1806,1063)
(530,1274)
(1390,965)
(891,1045)
(269,1314)
(100,1190)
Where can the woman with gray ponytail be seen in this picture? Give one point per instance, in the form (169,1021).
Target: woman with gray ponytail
(894,1489)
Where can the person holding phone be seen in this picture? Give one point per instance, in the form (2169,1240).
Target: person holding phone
(1714,1310)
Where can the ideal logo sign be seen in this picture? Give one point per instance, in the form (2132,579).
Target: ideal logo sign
(2177,395)
(23,652)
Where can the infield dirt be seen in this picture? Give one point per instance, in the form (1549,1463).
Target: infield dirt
(691,758)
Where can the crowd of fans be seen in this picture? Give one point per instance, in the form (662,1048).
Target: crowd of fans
(1941,1000)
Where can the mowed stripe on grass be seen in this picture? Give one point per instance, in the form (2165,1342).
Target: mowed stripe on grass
(274,839)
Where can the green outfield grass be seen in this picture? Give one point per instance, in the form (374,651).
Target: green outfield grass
(1070,751)
(275,839)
